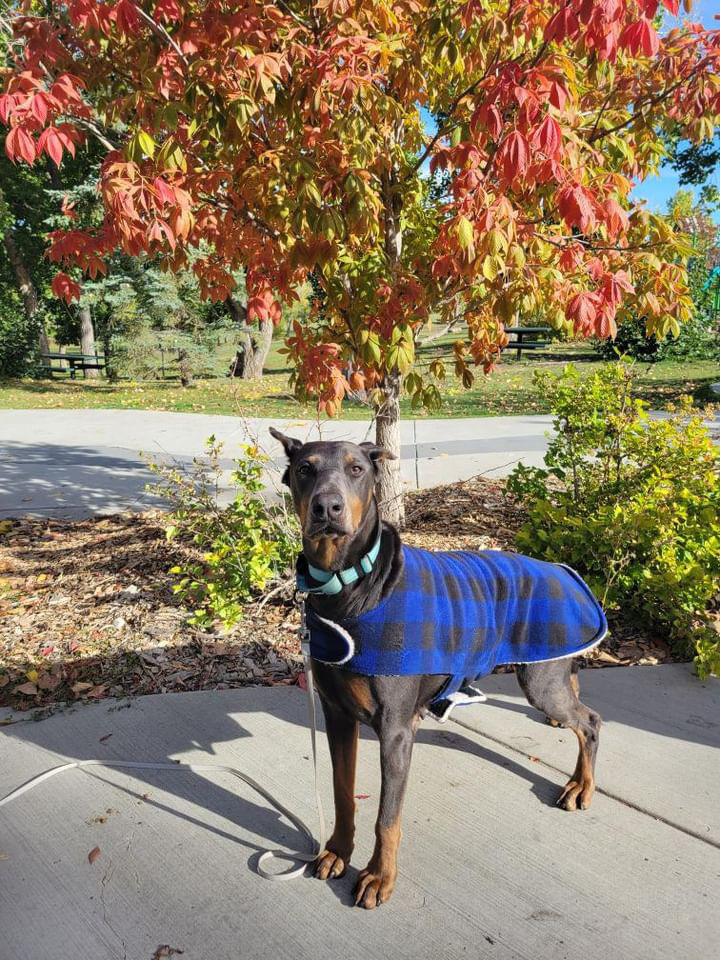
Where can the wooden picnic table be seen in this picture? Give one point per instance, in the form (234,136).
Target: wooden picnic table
(520,344)
(75,361)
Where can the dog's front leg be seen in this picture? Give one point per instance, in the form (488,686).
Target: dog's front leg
(342,734)
(377,880)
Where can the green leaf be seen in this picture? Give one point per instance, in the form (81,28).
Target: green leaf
(147,144)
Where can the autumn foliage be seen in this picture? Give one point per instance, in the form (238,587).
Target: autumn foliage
(292,138)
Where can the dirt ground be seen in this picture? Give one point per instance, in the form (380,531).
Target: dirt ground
(87,610)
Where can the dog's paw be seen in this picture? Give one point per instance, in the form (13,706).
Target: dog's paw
(373,888)
(576,795)
(330,865)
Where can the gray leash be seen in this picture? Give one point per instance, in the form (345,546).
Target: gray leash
(304,858)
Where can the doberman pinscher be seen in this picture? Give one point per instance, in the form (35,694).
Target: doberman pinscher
(333,486)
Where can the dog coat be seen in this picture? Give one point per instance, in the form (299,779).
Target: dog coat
(463,613)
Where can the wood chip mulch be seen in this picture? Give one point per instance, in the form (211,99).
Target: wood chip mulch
(87,610)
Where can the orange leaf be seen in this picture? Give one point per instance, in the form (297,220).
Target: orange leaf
(94,854)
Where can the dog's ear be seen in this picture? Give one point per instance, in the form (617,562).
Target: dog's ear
(290,446)
(376,454)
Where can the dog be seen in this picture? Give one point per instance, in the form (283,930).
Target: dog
(357,574)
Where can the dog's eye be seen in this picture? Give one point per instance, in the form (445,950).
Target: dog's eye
(356,470)
(303,470)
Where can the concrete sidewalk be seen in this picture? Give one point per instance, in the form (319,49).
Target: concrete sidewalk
(489,867)
(80,462)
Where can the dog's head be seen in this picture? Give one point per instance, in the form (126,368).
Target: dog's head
(332,484)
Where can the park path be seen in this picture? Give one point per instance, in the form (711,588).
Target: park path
(79,462)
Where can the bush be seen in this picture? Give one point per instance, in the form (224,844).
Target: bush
(141,357)
(698,340)
(18,338)
(241,548)
(632,503)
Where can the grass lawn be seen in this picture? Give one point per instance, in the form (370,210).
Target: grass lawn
(507,391)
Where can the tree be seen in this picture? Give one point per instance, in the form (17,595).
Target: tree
(695,162)
(287,138)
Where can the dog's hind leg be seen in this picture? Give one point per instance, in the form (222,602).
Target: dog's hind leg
(552,687)
(342,734)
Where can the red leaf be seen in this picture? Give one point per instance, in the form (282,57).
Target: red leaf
(50,142)
(126,17)
(563,24)
(39,107)
(639,38)
(616,219)
(582,310)
(362,796)
(548,137)
(558,95)
(514,155)
(167,10)
(576,207)
(65,288)
(94,854)
(7,103)
(19,143)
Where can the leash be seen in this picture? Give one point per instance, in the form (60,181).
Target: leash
(268,855)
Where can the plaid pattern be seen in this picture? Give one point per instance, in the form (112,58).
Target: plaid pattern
(463,613)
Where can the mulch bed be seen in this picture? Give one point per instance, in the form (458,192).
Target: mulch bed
(87,610)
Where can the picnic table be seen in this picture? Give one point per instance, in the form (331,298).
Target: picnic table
(75,362)
(519,343)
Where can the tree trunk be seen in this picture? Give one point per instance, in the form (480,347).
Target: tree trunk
(256,351)
(27,291)
(87,340)
(186,377)
(256,347)
(389,488)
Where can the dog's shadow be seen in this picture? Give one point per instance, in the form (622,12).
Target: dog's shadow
(545,790)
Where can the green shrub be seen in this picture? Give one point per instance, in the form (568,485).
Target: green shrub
(631,502)
(698,340)
(241,548)
(155,354)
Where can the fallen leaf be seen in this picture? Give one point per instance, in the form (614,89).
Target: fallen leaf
(106,737)
(362,796)
(80,687)
(4,679)
(165,950)
(48,681)
(94,854)
(301,681)
(29,689)
(97,691)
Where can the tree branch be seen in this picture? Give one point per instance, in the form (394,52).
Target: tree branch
(161,32)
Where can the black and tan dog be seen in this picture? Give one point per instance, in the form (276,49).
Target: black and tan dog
(332,484)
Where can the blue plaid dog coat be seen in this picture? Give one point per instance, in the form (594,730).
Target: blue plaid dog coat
(463,613)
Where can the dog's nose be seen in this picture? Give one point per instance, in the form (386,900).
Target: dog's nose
(326,506)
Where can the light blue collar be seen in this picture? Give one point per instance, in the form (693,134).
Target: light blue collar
(332,583)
